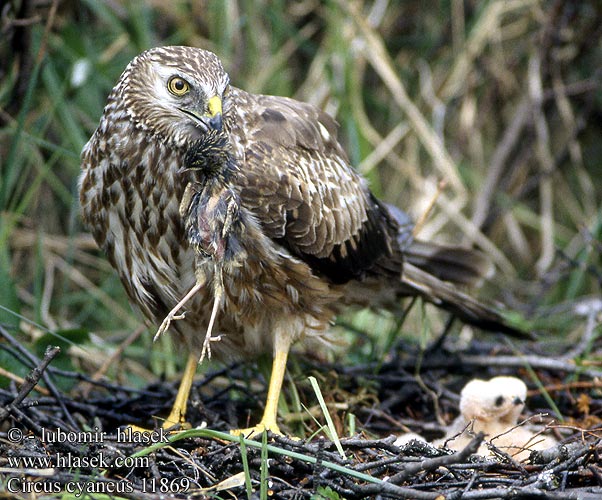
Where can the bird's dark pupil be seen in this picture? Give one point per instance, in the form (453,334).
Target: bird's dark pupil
(499,401)
(179,84)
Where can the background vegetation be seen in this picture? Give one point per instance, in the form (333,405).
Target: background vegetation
(498,99)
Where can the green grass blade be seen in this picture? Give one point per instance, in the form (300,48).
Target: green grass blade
(245,467)
(331,428)
(224,436)
(263,471)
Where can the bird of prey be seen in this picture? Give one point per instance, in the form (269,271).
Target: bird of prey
(493,407)
(313,236)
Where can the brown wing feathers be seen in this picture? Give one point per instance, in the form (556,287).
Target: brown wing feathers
(361,254)
(298,181)
(314,205)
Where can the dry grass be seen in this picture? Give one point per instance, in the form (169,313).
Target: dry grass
(499,100)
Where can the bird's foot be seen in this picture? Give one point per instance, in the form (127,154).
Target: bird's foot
(176,420)
(258,429)
(138,434)
(170,426)
(206,351)
(172,316)
(133,429)
(218,291)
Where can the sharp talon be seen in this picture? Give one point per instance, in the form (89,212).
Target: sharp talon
(252,432)
(207,347)
(160,331)
(172,315)
(165,325)
(206,351)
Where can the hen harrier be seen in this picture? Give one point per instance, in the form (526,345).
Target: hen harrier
(314,237)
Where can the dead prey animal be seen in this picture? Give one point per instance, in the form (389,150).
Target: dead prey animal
(211,213)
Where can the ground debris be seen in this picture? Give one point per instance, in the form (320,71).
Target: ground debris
(62,442)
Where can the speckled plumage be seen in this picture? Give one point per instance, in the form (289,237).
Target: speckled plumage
(314,235)
(307,199)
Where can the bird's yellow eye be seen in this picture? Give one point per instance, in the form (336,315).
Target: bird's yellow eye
(178,86)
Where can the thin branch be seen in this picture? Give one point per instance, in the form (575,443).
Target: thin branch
(33,377)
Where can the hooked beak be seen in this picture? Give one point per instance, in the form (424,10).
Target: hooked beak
(212,119)
(215,112)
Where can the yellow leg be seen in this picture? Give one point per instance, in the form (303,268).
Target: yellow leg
(178,411)
(268,421)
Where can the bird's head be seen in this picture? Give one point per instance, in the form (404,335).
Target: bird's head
(500,399)
(176,93)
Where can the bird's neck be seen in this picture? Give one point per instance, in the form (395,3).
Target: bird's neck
(221,176)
